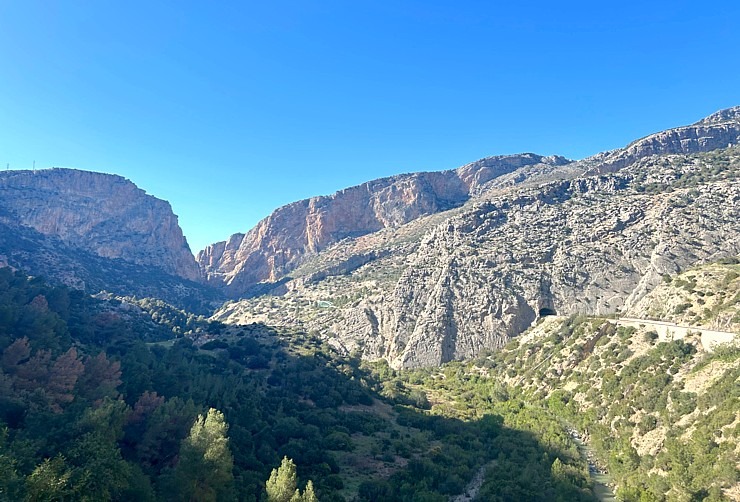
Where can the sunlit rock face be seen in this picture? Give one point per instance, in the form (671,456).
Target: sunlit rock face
(293,233)
(592,236)
(102,214)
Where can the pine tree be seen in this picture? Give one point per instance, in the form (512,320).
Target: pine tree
(281,487)
(308,494)
(49,481)
(15,354)
(63,376)
(101,378)
(204,471)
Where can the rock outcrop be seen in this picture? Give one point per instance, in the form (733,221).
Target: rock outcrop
(283,240)
(719,130)
(103,214)
(565,239)
(98,232)
(418,269)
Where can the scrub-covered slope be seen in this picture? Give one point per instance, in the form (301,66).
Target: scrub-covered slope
(563,240)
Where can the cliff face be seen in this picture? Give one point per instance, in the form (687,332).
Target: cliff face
(285,239)
(718,130)
(576,238)
(102,214)
(294,233)
(418,269)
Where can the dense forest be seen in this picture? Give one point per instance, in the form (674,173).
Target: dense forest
(123,399)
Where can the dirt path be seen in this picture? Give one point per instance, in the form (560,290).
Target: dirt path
(471,491)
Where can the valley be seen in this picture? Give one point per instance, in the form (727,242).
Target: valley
(523,327)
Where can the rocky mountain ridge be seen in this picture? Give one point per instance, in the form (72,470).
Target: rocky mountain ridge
(283,240)
(96,231)
(418,268)
(294,233)
(452,284)
(104,214)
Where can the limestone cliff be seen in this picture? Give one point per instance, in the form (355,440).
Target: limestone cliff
(719,130)
(283,240)
(576,238)
(103,214)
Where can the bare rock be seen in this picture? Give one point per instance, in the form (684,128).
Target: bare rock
(104,214)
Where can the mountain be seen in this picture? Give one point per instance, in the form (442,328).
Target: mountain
(417,269)
(95,231)
(590,236)
(657,408)
(592,300)
(293,233)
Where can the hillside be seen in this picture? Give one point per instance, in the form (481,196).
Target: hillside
(522,328)
(659,416)
(285,239)
(96,232)
(105,399)
(707,297)
(295,233)
(453,284)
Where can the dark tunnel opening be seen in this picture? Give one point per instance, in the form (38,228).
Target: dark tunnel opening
(545,311)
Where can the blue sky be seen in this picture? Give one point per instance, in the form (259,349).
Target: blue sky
(231,109)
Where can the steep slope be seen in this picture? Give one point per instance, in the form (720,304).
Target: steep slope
(661,414)
(96,232)
(452,284)
(719,130)
(282,241)
(296,232)
(705,297)
(103,214)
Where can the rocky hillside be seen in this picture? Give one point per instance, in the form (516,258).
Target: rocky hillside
(417,269)
(285,239)
(103,214)
(592,236)
(95,231)
(661,416)
(705,297)
(296,232)
(718,130)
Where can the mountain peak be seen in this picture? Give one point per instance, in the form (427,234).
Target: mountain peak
(727,115)
(104,214)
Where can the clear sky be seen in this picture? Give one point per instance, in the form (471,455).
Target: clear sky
(231,109)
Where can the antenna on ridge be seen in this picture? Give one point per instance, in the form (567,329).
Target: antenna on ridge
(34,166)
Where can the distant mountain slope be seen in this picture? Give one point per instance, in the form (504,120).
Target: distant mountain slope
(566,239)
(96,231)
(296,232)
(291,234)
(719,130)
(104,214)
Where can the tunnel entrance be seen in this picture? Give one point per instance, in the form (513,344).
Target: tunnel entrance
(545,311)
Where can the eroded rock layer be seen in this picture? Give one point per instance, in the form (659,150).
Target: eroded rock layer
(592,236)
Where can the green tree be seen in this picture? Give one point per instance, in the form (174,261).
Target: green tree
(281,487)
(308,494)
(10,481)
(204,472)
(49,481)
(100,472)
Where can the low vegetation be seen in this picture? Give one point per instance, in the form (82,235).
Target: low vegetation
(96,404)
